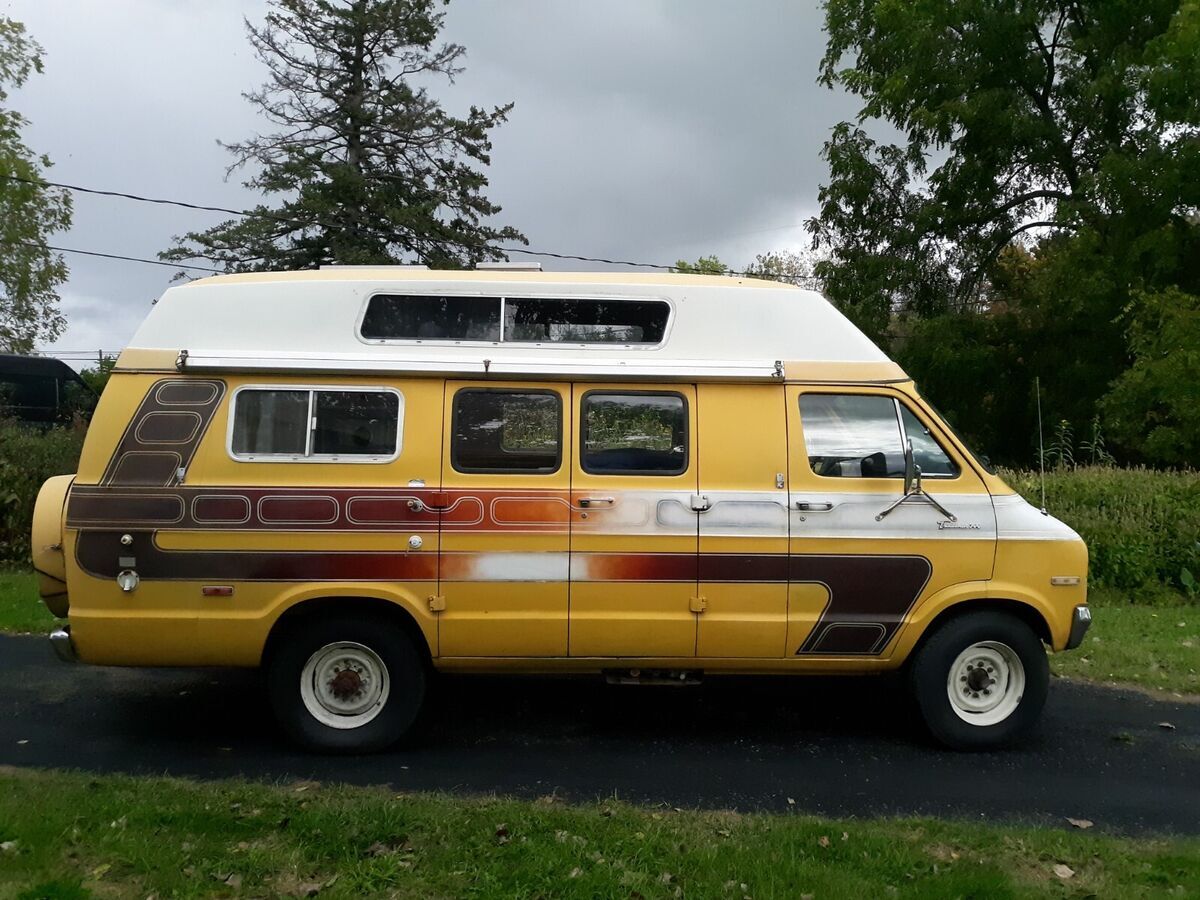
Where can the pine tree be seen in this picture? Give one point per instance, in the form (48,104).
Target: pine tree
(368,168)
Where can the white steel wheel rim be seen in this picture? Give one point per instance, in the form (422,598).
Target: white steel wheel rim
(344,685)
(986,683)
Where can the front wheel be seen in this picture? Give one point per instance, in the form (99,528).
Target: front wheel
(980,680)
(346,684)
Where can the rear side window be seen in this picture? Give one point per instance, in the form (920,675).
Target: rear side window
(431,318)
(523,320)
(585,321)
(858,436)
(496,430)
(642,433)
(315,424)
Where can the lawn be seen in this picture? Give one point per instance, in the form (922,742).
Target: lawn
(75,835)
(1151,646)
(21,610)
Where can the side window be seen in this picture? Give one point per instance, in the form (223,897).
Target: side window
(927,452)
(852,435)
(431,318)
(634,433)
(315,425)
(497,430)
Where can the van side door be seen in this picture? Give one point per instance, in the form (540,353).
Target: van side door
(505,519)
(633,526)
(859,563)
(743,461)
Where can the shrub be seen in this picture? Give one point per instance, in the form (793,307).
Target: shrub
(28,456)
(1142,526)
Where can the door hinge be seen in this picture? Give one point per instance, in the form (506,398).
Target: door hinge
(701,503)
(437,604)
(698,604)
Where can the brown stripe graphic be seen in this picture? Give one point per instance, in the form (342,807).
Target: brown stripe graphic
(100,553)
(314,509)
(164,432)
(869,596)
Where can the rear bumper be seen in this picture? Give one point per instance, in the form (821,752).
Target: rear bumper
(1081,621)
(64,647)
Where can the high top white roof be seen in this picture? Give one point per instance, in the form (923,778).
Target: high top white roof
(309,321)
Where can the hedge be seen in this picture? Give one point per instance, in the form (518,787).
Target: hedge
(1142,526)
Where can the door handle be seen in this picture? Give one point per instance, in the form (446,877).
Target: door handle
(585,502)
(813,506)
(421,506)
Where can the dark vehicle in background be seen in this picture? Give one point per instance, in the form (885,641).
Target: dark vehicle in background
(43,391)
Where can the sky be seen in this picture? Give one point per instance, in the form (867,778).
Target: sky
(648,130)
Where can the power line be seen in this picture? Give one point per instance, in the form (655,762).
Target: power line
(138,259)
(290,220)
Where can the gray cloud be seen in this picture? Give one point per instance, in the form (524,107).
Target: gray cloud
(643,129)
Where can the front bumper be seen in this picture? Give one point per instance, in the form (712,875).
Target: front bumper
(64,647)
(1081,621)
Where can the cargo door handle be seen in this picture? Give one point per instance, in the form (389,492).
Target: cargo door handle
(585,502)
(810,506)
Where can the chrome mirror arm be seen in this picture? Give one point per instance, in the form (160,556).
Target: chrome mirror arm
(917,496)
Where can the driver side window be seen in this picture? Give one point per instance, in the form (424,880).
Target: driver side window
(859,436)
(852,435)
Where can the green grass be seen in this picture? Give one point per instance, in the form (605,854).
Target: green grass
(1150,646)
(21,610)
(75,835)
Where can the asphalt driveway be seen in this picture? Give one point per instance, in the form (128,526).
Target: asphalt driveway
(836,747)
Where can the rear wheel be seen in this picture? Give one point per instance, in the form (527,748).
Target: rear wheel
(980,680)
(346,684)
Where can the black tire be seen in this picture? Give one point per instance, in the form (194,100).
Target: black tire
(931,668)
(406,678)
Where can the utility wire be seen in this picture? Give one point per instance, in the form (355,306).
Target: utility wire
(138,259)
(290,220)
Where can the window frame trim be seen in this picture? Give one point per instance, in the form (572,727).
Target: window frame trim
(636,473)
(453,455)
(897,404)
(551,345)
(309,456)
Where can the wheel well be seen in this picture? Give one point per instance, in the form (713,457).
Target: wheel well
(1023,611)
(369,606)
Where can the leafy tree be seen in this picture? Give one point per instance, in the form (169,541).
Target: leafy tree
(705,265)
(1076,118)
(29,213)
(96,377)
(1154,407)
(368,168)
(786,266)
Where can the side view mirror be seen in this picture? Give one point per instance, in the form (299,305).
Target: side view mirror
(912,490)
(912,472)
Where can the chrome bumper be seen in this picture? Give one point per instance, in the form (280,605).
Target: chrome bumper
(64,647)
(1081,621)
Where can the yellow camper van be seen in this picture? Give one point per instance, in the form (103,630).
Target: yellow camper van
(355,477)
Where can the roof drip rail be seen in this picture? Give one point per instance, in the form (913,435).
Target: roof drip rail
(369,266)
(458,366)
(508,267)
